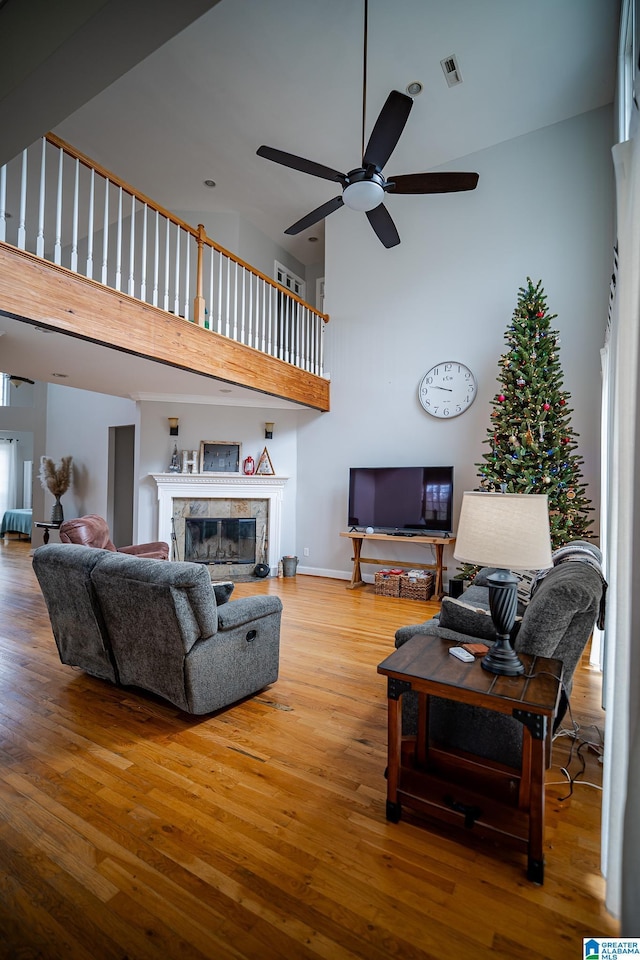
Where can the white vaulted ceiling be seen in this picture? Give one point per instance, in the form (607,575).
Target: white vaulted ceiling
(287,73)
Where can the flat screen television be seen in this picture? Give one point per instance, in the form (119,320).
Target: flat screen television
(401,499)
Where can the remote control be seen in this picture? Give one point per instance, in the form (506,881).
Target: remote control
(461,654)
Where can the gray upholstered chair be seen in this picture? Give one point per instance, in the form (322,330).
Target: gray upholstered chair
(556,623)
(158,626)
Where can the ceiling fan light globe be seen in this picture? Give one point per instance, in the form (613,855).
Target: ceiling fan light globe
(363,195)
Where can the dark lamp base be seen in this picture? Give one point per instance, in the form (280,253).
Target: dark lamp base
(503,602)
(502,659)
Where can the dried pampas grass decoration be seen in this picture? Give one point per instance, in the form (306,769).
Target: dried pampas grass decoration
(55,479)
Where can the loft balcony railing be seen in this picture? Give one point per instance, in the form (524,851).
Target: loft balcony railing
(61,206)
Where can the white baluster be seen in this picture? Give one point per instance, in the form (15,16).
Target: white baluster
(156,261)
(228,299)
(176,294)
(219,314)
(3,202)
(211,304)
(235,300)
(165,300)
(243,321)
(105,233)
(119,241)
(74,240)
(131,285)
(22,222)
(187,268)
(90,226)
(252,320)
(143,263)
(43,168)
(57,246)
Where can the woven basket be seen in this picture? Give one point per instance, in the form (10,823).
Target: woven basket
(387,584)
(416,588)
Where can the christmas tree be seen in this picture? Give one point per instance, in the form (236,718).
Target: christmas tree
(532,446)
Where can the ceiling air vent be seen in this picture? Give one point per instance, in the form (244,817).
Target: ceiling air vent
(451,70)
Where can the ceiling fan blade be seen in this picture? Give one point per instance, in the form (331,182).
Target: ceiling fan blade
(318,214)
(433,182)
(385,228)
(387,129)
(299,163)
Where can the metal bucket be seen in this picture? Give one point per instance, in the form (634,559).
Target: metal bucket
(289,566)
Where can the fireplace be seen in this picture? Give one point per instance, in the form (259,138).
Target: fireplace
(183,498)
(220,540)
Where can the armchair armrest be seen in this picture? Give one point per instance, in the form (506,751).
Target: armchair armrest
(158,550)
(236,613)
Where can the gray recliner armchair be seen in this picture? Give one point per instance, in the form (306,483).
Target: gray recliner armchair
(158,626)
(557,623)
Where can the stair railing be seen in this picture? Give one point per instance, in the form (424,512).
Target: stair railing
(60,205)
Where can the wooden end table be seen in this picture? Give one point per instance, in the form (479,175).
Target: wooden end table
(46,525)
(458,787)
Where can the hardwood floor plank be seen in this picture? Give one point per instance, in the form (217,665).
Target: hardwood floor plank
(130,830)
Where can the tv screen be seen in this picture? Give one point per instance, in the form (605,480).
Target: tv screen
(402,499)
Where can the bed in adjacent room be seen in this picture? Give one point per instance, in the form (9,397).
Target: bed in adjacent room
(16,521)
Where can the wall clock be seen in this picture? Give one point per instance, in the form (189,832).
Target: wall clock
(447,390)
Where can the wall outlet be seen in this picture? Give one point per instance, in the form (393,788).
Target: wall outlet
(305,552)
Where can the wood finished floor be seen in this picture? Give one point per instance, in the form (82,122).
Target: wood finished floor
(130,830)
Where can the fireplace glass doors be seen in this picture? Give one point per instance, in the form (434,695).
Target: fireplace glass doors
(220,540)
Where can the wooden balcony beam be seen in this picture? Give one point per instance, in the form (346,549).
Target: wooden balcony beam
(55,297)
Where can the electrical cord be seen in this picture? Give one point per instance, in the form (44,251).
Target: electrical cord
(575,736)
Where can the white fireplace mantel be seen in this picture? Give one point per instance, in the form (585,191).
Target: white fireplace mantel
(207,486)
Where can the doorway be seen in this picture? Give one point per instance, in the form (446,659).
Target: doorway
(121,483)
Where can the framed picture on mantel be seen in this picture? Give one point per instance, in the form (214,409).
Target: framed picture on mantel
(220,456)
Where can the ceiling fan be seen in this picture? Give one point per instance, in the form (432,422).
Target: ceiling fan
(364,187)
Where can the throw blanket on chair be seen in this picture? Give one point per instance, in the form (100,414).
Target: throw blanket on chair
(583,552)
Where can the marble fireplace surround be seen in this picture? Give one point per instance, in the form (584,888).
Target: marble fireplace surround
(199,486)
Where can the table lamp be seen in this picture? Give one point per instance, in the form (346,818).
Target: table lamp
(509,531)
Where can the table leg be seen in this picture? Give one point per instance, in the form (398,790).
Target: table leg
(535,870)
(394,736)
(439,588)
(356,575)
(45,535)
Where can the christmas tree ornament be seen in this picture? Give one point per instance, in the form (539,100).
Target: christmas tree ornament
(521,381)
(528,435)
(501,398)
(546,406)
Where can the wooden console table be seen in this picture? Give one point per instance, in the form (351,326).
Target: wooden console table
(357,536)
(463,788)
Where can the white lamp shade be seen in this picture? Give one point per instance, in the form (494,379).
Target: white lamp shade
(506,530)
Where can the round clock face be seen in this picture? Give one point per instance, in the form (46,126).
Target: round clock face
(447,390)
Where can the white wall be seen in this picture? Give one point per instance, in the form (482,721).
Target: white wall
(241,238)
(199,422)
(543,208)
(78,424)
